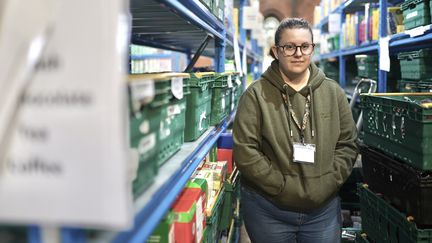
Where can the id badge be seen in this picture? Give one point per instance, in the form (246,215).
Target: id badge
(304,153)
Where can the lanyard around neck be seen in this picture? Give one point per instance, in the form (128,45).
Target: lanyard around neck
(305,119)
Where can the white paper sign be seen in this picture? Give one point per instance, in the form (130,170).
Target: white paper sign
(384,61)
(417,31)
(68,157)
(237,57)
(334,24)
(22,40)
(250,17)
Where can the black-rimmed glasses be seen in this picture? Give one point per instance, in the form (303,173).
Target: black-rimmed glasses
(290,49)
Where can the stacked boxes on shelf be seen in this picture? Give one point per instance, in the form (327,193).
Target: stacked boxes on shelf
(198,106)
(416,71)
(416,13)
(397,164)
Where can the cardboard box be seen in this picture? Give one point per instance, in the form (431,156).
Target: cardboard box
(199,197)
(226,155)
(184,220)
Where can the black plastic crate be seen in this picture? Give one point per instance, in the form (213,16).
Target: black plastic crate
(408,189)
(385,224)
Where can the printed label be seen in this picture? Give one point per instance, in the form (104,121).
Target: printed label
(147,143)
(411,15)
(177,87)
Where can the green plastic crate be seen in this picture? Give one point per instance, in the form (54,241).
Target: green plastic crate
(207,3)
(171,130)
(222,80)
(383,223)
(218,9)
(414,86)
(331,69)
(416,13)
(232,187)
(416,64)
(220,105)
(214,218)
(144,136)
(334,42)
(198,112)
(367,66)
(399,125)
(200,79)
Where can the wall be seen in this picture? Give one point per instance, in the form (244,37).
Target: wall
(289,8)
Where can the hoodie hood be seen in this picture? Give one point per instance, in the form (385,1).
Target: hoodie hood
(273,75)
(316,78)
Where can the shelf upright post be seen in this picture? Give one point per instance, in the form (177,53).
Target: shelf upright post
(34,234)
(341,57)
(219,59)
(382,75)
(242,34)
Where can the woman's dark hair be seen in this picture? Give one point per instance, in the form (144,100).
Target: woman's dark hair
(290,23)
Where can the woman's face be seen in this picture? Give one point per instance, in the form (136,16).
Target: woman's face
(294,62)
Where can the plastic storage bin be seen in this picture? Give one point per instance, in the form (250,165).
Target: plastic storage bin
(400,124)
(198,108)
(408,189)
(384,223)
(367,66)
(232,187)
(171,133)
(221,98)
(416,13)
(416,64)
(148,94)
(218,9)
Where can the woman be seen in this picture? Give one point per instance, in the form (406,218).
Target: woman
(294,144)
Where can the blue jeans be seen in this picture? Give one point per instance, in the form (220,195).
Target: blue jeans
(266,223)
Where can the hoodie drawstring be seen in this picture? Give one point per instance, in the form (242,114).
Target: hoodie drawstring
(288,102)
(312,111)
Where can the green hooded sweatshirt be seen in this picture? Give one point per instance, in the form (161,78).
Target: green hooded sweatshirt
(263,145)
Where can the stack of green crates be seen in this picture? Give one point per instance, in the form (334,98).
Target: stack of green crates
(147,97)
(416,64)
(218,9)
(367,66)
(416,13)
(173,119)
(416,71)
(221,98)
(198,108)
(400,124)
(384,223)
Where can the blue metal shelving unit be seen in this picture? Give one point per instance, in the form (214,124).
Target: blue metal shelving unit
(178,26)
(399,42)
